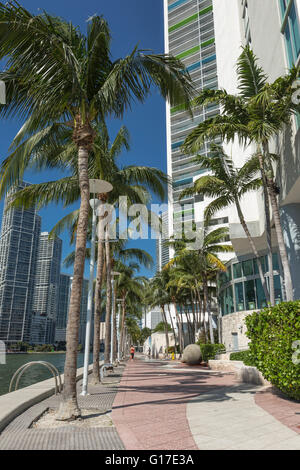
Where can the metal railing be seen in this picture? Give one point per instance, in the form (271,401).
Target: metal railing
(19,373)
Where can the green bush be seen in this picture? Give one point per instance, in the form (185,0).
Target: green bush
(273,333)
(244,356)
(209,351)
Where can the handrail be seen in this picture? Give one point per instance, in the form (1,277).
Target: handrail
(26,366)
(103,368)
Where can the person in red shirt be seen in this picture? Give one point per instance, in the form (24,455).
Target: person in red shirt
(132,352)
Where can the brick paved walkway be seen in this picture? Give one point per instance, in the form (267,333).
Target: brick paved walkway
(149,411)
(167,406)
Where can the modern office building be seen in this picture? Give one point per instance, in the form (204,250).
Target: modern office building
(65,285)
(190,36)
(19,242)
(207,36)
(272,29)
(162,247)
(65,282)
(46,289)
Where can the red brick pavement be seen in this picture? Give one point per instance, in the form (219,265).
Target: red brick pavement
(149,410)
(284,410)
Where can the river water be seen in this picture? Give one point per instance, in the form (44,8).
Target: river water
(35,373)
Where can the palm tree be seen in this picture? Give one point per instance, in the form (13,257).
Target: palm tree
(59,78)
(160,298)
(129,288)
(207,258)
(256,115)
(228,185)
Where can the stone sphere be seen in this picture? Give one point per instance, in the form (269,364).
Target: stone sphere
(192,354)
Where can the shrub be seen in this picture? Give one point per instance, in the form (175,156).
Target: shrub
(209,351)
(273,333)
(244,356)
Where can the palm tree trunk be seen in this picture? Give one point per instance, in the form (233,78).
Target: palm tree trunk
(108,318)
(253,247)
(268,228)
(97,318)
(172,325)
(166,326)
(288,285)
(204,312)
(122,332)
(68,408)
(115,342)
(207,303)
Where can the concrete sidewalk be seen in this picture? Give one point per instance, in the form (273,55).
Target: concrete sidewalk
(164,406)
(21,435)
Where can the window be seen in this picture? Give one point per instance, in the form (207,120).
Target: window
(250,295)
(237,270)
(260,295)
(239,297)
(248,267)
(290,29)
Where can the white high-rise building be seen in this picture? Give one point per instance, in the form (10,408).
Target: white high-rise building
(272,29)
(207,36)
(190,36)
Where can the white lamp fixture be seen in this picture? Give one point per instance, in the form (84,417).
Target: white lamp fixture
(96,187)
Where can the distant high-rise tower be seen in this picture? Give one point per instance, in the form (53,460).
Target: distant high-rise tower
(162,247)
(46,291)
(65,285)
(18,254)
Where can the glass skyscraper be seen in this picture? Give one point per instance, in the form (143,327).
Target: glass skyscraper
(18,255)
(46,291)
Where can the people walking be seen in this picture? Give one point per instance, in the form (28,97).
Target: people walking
(132,351)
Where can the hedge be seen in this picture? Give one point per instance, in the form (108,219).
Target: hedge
(209,351)
(273,349)
(244,356)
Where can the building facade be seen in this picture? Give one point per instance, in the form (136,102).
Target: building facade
(19,243)
(271,28)
(46,290)
(190,36)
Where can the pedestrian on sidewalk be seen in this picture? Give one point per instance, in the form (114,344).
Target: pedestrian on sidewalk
(132,351)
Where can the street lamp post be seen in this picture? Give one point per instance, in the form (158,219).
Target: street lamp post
(113,274)
(96,187)
(118,327)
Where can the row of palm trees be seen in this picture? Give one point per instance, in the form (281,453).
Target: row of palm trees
(188,283)
(63,84)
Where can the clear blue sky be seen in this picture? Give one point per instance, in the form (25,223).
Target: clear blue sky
(131,22)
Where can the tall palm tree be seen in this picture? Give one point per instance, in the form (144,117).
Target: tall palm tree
(132,181)
(228,185)
(60,78)
(129,288)
(256,115)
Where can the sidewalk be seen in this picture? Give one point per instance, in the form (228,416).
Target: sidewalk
(21,434)
(163,406)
